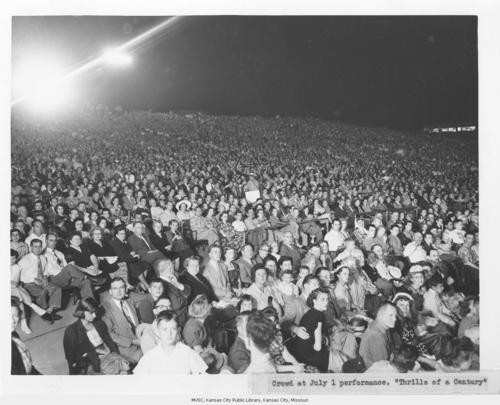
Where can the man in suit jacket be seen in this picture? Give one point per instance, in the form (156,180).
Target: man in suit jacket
(196,281)
(138,269)
(216,273)
(177,292)
(245,264)
(121,319)
(289,249)
(141,244)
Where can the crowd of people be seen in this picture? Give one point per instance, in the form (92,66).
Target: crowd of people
(200,244)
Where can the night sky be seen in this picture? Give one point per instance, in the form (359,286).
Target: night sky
(401,72)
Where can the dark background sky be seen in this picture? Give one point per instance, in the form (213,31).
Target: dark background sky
(403,72)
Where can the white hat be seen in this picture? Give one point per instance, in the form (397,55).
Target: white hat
(402,295)
(395,272)
(416,268)
(178,205)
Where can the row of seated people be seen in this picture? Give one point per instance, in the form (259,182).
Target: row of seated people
(317,317)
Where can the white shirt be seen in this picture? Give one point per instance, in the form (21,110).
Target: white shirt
(415,255)
(335,240)
(54,268)
(433,303)
(458,236)
(166,216)
(260,296)
(239,226)
(156,212)
(15,275)
(29,267)
(260,363)
(182,360)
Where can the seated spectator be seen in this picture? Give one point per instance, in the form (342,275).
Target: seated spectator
(171,356)
(63,275)
(37,232)
(24,299)
(21,361)
(215,272)
(87,343)
(375,343)
(194,333)
(148,333)
(282,359)
(239,354)
(121,319)
(35,279)
(17,244)
(286,286)
(245,264)
(147,304)
(137,269)
(142,245)
(176,291)
(201,229)
(314,351)
(260,335)
(414,250)
(434,303)
(233,271)
(160,240)
(260,291)
(177,241)
(246,304)
(289,249)
(198,283)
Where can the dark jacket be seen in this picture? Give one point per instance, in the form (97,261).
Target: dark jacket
(239,356)
(145,309)
(77,344)
(17,366)
(199,285)
(122,250)
(179,300)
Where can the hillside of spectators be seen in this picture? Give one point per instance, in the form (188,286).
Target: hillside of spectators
(269,244)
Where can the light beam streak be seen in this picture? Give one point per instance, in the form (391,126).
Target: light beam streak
(102,59)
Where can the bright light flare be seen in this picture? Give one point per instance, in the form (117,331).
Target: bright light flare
(116,57)
(39,82)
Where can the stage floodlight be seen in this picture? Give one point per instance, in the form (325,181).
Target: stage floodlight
(39,83)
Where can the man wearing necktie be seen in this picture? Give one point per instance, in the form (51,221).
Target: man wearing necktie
(65,275)
(35,279)
(121,319)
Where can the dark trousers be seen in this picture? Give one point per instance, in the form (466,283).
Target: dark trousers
(45,297)
(71,276)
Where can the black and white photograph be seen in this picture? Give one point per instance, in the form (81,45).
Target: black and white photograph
(219,195)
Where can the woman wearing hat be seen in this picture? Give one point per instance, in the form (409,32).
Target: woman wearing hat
(412,330)
(182,210)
